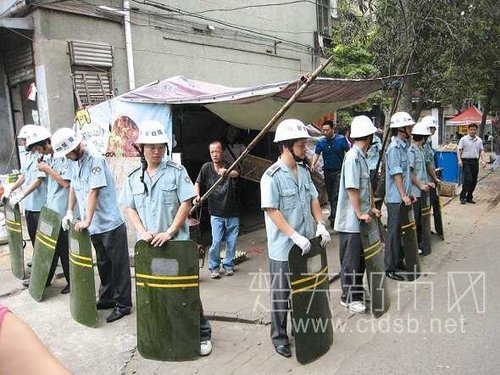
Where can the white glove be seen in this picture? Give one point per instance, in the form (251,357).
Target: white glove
(15,200)
(323,232)
(7,191)
(66,220)
(301,242)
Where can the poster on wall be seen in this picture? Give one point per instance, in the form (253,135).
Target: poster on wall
(112,127)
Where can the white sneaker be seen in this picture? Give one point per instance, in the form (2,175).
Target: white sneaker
(357,307)
(205,348)
(215,274)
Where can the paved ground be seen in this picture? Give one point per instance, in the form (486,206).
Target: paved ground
(425,331)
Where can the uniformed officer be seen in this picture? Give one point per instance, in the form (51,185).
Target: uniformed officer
(398,190)
(355,204)
(372,157)
(35,181)
(291,208)
(157,200)
(57,170)
(420,132)
(432,124)
(92,185)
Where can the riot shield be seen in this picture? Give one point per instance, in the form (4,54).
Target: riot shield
(425,222)
(49,225)
(374,263)
(410,245)
(81,273)
(168,300)
(15,236)
(311,315)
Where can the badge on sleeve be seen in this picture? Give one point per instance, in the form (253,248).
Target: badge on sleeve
(96,170)
(187,179)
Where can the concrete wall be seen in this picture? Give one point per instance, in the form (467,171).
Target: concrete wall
(53,31)
(8,147)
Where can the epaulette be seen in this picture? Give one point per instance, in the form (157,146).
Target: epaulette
(174,164)
(272,169)
(133,171)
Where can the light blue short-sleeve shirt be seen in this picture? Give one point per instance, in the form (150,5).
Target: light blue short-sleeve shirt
(57,196)
(396,158)
(417,164)
(92,172)
(292,196)
(373,153)
(355,175)
(157,203)
(38,197)
(429,156)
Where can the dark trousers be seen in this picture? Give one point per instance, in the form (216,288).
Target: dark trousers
(113,265)
(61,252)
(332,183)
(352,266)
(32,223)
(417,212)
(280,293)
(436,211)
(205,328)
(470,171)
(393,250)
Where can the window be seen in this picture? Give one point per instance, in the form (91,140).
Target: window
(323,11)
(91,65)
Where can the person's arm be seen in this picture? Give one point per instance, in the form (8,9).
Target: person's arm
(71,199)
(415,181)
(354,198)
(314,161)
(459,153)
(44,167)
(30,189)
(432,172)
(133,216)
(91,205)
(22,352)
(10,188)
(398,180)
(179,219)
(316,211)
(482,157)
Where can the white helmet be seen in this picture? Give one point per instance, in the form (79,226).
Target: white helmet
(290,129)
(420,129)
(152,132)
(24,130)
(430,121)
(36,134)
(361,126)
(64,141)
(400,120)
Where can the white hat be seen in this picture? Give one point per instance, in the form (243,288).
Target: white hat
(400,120)
(64,141)
(290,129)
(36,134)
(361,126)
(24,130)
(152,132)
(420,129)
(430,121)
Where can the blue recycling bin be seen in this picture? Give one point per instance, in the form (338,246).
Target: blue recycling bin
(448,160)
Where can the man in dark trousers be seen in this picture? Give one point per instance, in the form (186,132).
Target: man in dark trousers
(223,209)
(470,150)
(333,148)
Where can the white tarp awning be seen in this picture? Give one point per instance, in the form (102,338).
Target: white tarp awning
(252,107)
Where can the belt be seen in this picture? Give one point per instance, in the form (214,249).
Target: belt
(331,170)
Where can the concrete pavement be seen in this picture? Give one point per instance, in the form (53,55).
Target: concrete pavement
(240,303)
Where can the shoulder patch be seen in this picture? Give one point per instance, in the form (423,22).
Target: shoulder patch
(133,171)
(96,170)
(174,164)
(272,169)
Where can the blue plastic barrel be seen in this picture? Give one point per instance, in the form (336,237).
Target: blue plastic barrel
(448,160)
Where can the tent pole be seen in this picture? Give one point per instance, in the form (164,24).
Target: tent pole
(306,82)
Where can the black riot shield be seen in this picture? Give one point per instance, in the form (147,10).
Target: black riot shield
(410,245)
(373,252)
(47,233)
(81,273)
(168,300)
(311,314)
(425,222)
(15,236)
